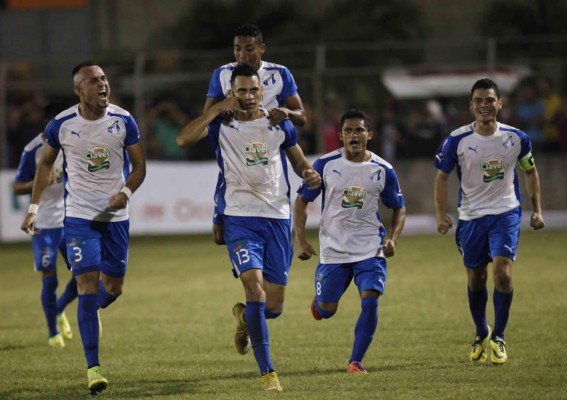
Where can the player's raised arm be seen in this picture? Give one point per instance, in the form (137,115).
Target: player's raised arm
(303,167)
(293,110)
(41,181)
(444,223)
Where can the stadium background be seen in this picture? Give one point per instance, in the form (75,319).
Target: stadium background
(409,64)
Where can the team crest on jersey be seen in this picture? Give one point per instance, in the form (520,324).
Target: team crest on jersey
(376,175)
(270,80)
(114,128)
(508,142)
(353,197)
(256,153)
(98,158)
(493,169)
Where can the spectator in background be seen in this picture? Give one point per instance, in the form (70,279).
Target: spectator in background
(551,104)
(424,133)
(164,120)
(529,113)
(559,122)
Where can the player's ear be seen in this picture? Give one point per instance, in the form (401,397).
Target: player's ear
(370,134)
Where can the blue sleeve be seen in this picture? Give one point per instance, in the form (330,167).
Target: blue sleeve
(215,88)
(290,134)
(132,131)
(214,132)
(526,145)
(27,166)
(289,87)
(310,195)
(52,134)
(392,196)
(446,156)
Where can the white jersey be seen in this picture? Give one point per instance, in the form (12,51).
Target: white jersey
(485,167)
(51,208)
(254,177)
(95,160)
(350,229)
(277,82)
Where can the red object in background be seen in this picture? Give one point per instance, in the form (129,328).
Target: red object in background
(41,4)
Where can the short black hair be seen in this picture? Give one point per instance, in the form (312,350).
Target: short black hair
(78,67)
(250,30)
(356,114)
(485,83)
(52,109)
(242,70)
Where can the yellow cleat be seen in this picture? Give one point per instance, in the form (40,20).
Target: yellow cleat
(97,382)
(56,341)
(64,326)
(479,351)
(271,382)
(498,353)
(241,338)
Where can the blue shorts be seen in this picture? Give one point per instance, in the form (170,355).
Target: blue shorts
(259,243)
(483,238)
(332,280)
(45,246)
(97,246)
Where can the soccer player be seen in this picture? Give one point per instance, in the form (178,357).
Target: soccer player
(485,153)
(280,96)
(351,235)
(96,138)
(254,199)
(49,239)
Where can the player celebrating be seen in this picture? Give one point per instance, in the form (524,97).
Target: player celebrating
(50,238)
(95,137)
(351,235)
(254,199)
(485,153)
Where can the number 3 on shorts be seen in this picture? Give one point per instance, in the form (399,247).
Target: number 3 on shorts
(78,255)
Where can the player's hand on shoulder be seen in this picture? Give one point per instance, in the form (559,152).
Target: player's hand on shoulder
(277,115)
(305,251)
(444,223)
(389,248)
(536,221)
(311,178)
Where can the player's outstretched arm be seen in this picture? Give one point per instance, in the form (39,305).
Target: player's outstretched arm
(534,191)
(398,222)
(444,223)
(304,249)
(303,167)
(41,181)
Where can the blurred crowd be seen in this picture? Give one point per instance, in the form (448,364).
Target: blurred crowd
(405,129)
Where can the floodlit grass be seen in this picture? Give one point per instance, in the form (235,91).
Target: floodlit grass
(170,336)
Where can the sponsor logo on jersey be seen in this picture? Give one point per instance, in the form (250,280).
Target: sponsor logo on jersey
(256,153)
(98,158)
(353,197)
(493,169)
(114,128)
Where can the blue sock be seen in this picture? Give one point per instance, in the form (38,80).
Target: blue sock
(68,295)
(477,305)
(502,302)
(48,301)
(323,313)
(365,328)
(88,326)
(259,336)
(271,315)
(104,299)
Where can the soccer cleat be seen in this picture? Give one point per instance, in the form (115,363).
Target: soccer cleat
(56,341)
(271,382)
(355,367)
(64,326)
(314,311)
(241,338)
(480,348)
(97,382)
(498,353)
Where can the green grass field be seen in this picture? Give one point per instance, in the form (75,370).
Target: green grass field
(170,336)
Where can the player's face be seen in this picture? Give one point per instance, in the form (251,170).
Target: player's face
(248,51)
(355,136)
(92,87)
(248,91)
(485,105)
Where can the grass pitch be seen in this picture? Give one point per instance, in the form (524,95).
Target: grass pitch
(170,336)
